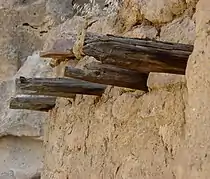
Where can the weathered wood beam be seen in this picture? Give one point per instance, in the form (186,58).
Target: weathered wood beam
(44,92)
(34,87)
(36,103)
(109,75)
(60,87)
(143,55)
(54,54)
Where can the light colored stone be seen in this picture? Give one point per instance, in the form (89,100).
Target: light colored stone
(177,7)
(23,153)
(138,11)
(22,174)
(82,2)
(142,32)
(104,25)
(22,30)
(7,175)
(6,4)
(20,156)
(21,122)
(162,11)
(161,80)
(184,33)
(192,2)
(129,14)
(63,31)
(93,7)
(157,11)
(35,66)
(60,9)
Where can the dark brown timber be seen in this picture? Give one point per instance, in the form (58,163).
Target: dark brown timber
(109,75)
(61,87)
(143,55)
(36,103)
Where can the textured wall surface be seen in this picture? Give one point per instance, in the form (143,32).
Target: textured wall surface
(198,111)
(121,135)
(163,134)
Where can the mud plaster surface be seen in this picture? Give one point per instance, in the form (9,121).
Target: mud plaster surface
(163,134)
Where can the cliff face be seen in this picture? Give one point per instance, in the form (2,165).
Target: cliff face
(130,134)
(23,27)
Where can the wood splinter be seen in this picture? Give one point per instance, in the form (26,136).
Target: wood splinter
(60,51)
(109,75)
(55,54)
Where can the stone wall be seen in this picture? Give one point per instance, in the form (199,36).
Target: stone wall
(130,134)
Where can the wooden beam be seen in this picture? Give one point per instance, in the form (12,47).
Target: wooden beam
(34,87)
(143,55)
(36,103)
(109,75)
(44,92)
(60,87)
(54,54)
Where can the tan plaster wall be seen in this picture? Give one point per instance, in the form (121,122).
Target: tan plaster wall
(163,134)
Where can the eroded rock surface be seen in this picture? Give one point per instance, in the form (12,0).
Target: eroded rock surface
(21,122)
(25,149)
(21,157)
(184,33)
(22,30)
